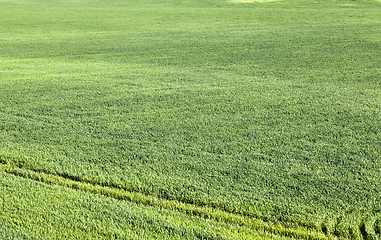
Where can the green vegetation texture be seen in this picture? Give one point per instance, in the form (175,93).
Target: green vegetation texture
(266,112)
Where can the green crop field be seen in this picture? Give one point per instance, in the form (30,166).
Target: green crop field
(191,119)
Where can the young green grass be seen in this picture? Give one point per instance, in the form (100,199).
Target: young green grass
(42,211)
(269,110)
(245,227)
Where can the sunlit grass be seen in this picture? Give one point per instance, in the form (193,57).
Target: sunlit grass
(269,111)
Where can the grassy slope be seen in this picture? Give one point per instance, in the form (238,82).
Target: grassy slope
(270,110)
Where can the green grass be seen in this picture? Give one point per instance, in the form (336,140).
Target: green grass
(181,220)
(41,211)
(268,111)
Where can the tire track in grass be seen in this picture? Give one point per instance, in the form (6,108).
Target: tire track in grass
(190,209)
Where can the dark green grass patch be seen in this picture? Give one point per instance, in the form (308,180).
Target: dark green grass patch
(270,110)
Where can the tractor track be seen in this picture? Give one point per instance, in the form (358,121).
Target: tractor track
(205,212)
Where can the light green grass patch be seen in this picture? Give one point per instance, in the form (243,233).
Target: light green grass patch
(42,211)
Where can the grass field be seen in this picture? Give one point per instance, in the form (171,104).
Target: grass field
(210,119)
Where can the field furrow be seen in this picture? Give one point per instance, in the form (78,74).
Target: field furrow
(205,212)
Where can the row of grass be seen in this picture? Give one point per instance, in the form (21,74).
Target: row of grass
(352,225)
(57,208)
(181,208)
